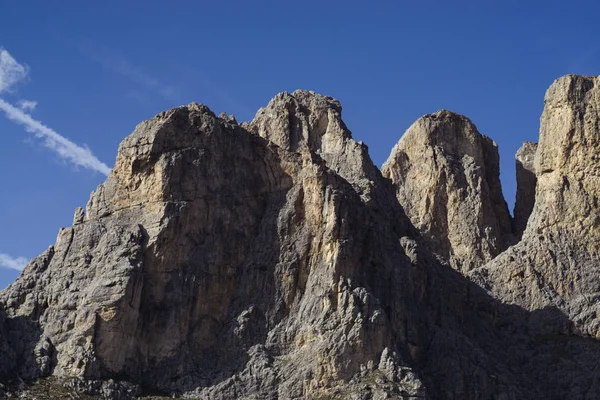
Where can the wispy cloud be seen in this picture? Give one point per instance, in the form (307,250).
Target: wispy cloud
(27,105)
(125,68)
(11,73)
(137,96)
(81,156)
(13,263)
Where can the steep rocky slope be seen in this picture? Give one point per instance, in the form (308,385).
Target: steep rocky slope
(556,264)
(272,259)
(216,261)
(447,179)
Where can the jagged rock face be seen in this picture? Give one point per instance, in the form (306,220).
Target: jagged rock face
(213,260)
(447,179)
(526,182)
(304,121)
(556,264)
(272,260)
(553,272)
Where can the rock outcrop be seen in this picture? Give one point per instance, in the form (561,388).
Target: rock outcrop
(272,259)
(447,179)
(556,263)
(223,263)
(526,182)
(306,122)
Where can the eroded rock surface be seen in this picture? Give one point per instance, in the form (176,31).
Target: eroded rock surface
(526,182)
(225,263)
(272,259)
(556,264)
(447,179)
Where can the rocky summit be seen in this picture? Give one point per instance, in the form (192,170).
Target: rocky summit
(273,260)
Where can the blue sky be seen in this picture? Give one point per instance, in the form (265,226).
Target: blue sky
(96,69)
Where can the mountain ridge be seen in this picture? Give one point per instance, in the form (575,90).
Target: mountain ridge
(273,259)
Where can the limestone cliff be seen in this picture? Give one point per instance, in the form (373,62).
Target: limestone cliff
(556,264)
(447,179)
(216,262)
(272,259)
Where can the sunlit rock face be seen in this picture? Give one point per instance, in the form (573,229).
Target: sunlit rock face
(556,262)
(447,179)
(217,258)
(273,259)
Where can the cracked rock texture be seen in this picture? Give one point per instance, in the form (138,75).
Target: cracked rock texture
(272,259)
(447,179)
(556,263)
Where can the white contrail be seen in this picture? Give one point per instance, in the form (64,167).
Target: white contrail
(27,105)
(135,74)
(54,141)
(11,73)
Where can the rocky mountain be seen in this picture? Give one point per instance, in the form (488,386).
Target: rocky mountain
(447,178)
(272,259)
(555,265)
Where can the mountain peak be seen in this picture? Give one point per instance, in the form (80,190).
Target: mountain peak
(272,259)
(447,180)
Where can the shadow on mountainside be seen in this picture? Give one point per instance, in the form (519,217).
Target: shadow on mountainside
(482,348)
(240,267)
(29,355)
(474,347)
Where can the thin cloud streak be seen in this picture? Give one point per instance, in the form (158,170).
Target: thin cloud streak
(81,156)
(18,263)
(27,105)
(135,74)
(11,72)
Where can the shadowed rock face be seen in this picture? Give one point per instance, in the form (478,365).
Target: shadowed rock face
(556,263)
(526,182)
(447,179)
(272,259)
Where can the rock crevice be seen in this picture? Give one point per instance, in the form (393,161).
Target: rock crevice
(526,183)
